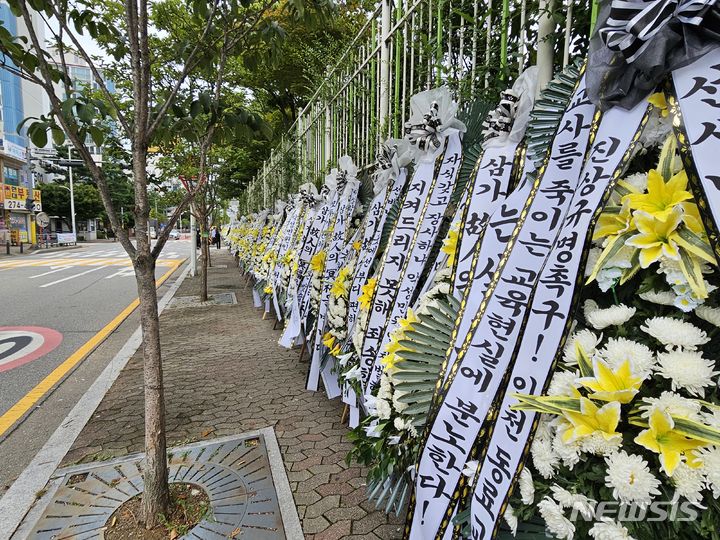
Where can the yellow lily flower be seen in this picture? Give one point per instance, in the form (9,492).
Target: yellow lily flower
(335,350)
(661,196)
(658,99)
(656,238)
(691,218)
(368,290)
(661,439)
(609,385)
(328,340)
(408,321)
(317,262)
(613,223)
(450,244)
(340,285)
(592,419)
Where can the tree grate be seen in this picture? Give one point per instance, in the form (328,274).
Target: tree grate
(235,473)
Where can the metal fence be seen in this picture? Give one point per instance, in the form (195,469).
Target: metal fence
(476,48)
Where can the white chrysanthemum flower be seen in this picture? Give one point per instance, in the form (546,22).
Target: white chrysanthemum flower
(598,445)
(689,483)
(569,452)
(404,425)
(555,521)
(687,370)
(527,488)
(607,529)
(511,519)
(384,410)
(592,259)
(709,314)
(675,333)
(563,383)
(385,389)
(630,478)
(602,318)
(638,181)
(578,502)
(712,418)
(471,468)
(587,339)
(709,458)
(397,404)
(544,459)
(663,298)
(618,350)
(673,404)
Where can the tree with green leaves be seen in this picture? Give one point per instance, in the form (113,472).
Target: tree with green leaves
(143,110)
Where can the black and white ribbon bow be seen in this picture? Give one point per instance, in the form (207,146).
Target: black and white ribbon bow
(385,156)
(307,197)
(633,24)
(425,135)
(501,119)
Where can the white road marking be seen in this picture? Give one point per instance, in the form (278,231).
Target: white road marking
(51,271)
(125,272)
(72,277)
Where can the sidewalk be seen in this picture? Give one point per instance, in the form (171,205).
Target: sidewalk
(225,375)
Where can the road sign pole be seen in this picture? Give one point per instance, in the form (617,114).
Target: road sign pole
(193,246)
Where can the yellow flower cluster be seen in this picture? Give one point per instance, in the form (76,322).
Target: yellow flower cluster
(366,296)
(341,285)
(660,222)
(450,244)
(317,262)
(398,335)
(331,343)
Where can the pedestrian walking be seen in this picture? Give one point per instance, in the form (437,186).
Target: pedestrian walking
(197,238)
(218,238)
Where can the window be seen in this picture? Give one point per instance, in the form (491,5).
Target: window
(11,176)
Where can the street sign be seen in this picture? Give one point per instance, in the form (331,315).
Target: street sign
(42,219)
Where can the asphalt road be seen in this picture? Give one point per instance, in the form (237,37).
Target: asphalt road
(51,304)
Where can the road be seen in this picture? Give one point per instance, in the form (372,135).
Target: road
(56,308)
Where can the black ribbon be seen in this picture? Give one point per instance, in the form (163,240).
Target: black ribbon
(639,42)
(425,135)
(501,119)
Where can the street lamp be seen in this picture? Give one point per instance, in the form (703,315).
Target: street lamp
(190,184)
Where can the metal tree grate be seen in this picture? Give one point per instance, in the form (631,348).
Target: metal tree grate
(235,473)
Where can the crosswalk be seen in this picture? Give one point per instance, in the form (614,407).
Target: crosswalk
(66,266)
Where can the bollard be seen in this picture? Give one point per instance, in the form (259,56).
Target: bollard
(21,247)
(7,247)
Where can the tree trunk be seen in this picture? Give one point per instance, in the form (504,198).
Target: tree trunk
(156,495)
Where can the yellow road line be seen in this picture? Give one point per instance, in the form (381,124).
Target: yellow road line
(17,411)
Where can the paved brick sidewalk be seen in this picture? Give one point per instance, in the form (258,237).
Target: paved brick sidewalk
(224,375)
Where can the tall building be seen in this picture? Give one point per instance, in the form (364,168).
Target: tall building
(19,200)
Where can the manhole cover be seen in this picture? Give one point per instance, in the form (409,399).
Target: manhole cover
(236,473)
(194,301)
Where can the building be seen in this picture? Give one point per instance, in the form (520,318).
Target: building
(19,198)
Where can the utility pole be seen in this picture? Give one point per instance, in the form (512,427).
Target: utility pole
(72,193)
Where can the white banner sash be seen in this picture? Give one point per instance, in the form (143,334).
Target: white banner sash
(452,430)
(548,319)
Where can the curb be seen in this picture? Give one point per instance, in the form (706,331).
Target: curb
(18,501)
